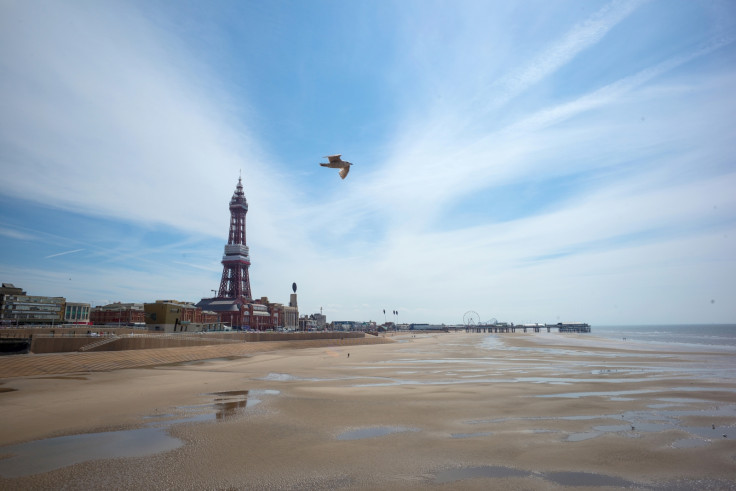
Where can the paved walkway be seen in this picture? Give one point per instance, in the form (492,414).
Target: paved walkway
(100,361)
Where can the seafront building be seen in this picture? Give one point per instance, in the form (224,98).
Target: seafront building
(353,326)
(313,322)
(175,316)
(31,309)
(287,313)
(76,313)
(120,314)
(18,308)
(306,323)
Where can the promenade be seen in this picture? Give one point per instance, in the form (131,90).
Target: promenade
(76,362)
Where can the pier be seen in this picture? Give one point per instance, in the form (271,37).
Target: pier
(574,327)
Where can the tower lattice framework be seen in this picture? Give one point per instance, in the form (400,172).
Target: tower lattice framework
(235,282)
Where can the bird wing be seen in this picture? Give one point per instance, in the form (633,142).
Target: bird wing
(332,165)
(334,158)
(344,171)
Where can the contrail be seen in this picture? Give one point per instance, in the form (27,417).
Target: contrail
(63,253)
(579,38)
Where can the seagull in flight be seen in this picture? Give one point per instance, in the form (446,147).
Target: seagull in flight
(335,162)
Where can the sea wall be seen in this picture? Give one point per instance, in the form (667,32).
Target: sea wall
(121,341)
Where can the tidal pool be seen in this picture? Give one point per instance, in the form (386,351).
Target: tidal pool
(559,478)
(472,435)
(655,420)
(460,473)
(372,432)
(46,455)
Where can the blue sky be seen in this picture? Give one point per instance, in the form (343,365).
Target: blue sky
(531,161)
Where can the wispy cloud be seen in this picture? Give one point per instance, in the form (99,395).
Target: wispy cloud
(16,234)
(63,253)
(612,93)
(124,126)
(561,51)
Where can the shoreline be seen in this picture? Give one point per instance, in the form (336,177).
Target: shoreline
(456,410)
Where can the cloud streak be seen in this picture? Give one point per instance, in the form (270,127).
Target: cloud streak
(563,50)
(99,121)
(63,253)
(16,234)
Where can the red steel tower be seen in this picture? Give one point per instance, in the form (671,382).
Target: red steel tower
(235,283)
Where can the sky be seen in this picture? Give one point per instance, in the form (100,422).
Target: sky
(530,161)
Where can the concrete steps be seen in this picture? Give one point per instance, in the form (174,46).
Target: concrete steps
(99,342)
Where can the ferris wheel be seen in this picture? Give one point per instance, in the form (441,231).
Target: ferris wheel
(471,318)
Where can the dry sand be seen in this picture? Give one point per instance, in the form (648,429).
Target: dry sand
(522,411)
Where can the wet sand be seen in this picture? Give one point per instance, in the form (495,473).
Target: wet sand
(448,411)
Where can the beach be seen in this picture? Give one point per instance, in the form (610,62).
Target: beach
(440,410)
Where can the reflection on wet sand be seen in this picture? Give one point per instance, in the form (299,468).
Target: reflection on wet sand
(53,453)
(229,404)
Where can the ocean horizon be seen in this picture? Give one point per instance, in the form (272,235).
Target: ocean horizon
(693,335)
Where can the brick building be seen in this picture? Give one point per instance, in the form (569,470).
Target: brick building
(121,314)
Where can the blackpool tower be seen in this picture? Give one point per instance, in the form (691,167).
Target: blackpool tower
(235,283)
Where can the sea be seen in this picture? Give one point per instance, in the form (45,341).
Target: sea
(692,337)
